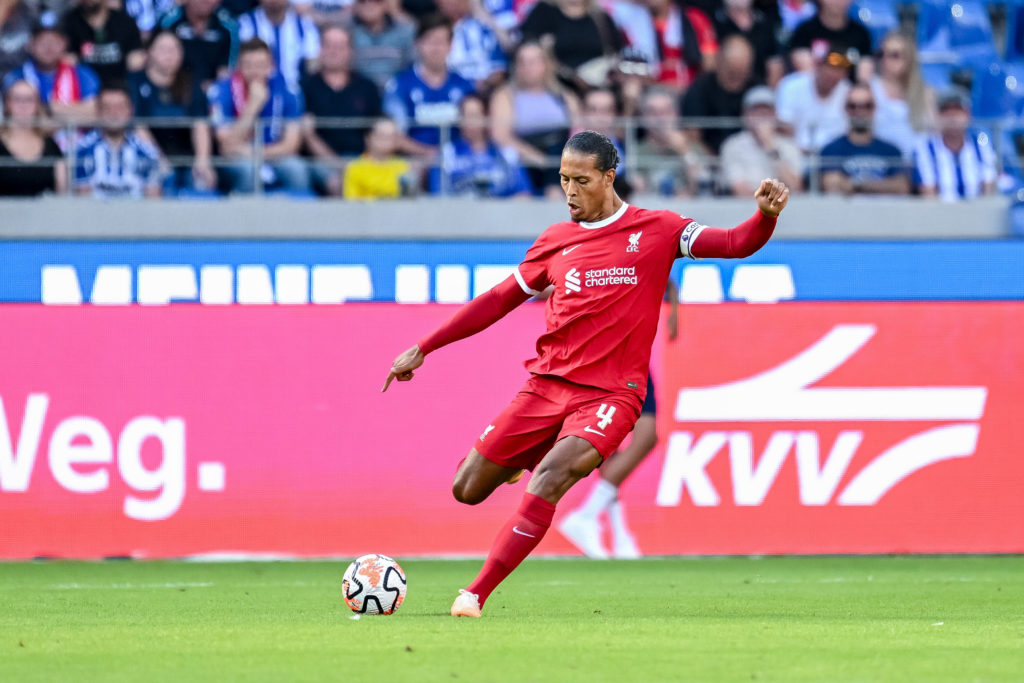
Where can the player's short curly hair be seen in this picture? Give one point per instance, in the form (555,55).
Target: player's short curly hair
(595,144)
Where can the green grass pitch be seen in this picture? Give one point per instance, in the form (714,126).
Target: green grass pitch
(709,619)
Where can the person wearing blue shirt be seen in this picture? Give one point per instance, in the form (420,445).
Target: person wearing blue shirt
(426,96)
(114,161)
(255,96)
(68,89)
(476,52)
(472,165)
(859,162)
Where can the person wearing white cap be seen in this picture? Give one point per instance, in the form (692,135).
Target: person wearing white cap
(760,150)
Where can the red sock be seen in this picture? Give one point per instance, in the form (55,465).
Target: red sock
(514,542)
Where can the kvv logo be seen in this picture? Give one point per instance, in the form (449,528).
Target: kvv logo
(785,393)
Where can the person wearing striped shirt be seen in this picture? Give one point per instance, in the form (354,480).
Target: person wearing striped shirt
(114,161)
(955,163)
(293,39)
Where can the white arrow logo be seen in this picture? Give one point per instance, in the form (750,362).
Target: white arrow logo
(782,392)
(572,281)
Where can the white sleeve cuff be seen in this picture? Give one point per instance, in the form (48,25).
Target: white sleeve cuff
(690,233)
(522,283)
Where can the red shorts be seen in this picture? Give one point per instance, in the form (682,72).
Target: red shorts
(550,408)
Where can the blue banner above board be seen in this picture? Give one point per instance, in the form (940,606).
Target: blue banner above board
(298,272)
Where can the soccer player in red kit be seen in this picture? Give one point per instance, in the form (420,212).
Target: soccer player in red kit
(608,265)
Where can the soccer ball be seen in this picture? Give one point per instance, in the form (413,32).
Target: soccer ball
(373,584)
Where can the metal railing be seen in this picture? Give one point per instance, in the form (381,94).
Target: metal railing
(630,132)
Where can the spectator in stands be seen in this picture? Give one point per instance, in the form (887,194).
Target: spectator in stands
(146,13)
(905,105)
(239,7)
(740,17)
(68,89)
(832,25)
(324,12)
(114,161)
(475,166)
(792,13)
(16,20)
(813,102)
(583,39)
(336,91)
(859,162)
(687,44)
(720,93)
(255,94)
(383,44)
(634,20)
(379,173)
(760,150)
(955,163)
(293,39)
(22,141)
(667,163)
(600,111)
(533,115)
(476,52)
(426,95)
(165,89)
(105,39)
(209,35)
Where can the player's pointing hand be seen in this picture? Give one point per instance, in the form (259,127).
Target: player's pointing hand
(402,368)
(772,196)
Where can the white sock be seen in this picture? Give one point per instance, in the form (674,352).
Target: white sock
(617,516)
(601,496)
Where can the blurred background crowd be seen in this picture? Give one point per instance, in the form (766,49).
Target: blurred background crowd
(366,99)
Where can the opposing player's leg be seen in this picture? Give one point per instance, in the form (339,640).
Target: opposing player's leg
(582,527)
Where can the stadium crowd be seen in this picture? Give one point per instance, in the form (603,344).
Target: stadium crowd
(367,99)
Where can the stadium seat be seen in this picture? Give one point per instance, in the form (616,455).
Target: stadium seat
(938,75)
(879,16)
(999,90)
(958,32)
(1015,31)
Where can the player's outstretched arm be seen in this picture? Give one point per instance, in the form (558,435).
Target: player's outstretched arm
(750,235)
(475,316)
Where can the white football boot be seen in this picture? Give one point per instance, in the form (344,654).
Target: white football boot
(584,532)
(466,605)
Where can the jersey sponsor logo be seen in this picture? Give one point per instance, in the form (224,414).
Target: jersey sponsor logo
(784,393)
(601,277)
(565,252)
(634,242)
(572,281)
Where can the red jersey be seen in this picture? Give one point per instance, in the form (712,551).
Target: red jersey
(609,280)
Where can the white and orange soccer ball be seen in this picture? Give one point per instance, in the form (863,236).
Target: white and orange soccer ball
(374,584)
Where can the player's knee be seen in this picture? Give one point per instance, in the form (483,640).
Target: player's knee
(464,493)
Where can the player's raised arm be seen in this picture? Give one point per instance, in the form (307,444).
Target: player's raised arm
(747,237)
(476,316)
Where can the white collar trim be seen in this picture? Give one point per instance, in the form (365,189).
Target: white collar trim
(607,221)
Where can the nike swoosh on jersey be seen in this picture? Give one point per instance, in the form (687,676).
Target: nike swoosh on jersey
(568,249)
(516,530)
(588,429)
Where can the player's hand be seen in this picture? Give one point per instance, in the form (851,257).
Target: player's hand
(402,368)
(772,196)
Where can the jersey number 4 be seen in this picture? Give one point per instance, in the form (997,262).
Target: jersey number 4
(605,412)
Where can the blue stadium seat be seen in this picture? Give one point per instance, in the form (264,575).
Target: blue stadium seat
(937,75)
(879,16)
(957,32)
(999,90)
(1015,31)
